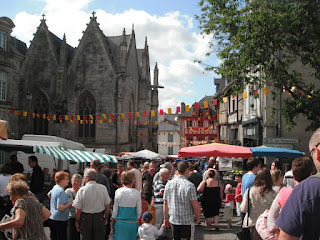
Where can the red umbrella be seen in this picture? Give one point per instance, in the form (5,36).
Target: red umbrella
(216,150)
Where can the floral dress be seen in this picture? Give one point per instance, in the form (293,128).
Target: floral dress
(32,228)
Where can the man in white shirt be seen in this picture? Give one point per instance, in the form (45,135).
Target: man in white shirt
(92,205)
(138,175)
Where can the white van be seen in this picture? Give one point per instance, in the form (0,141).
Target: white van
(47,161)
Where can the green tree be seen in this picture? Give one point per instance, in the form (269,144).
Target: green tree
(258,42)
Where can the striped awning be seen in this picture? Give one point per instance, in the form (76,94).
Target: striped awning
(74,155)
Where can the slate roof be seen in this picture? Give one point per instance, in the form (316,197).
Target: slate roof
(18,46)
(57,42)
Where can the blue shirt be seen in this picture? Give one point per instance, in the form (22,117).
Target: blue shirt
(300,215)
(58,196)
(247,181)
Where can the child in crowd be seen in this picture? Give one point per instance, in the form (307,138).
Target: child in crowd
(147,231)
(238,197)
(229,204)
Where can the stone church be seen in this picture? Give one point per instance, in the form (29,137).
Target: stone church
(79,93)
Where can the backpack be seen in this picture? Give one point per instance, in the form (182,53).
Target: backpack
(261,226)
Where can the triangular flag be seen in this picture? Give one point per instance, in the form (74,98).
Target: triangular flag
(178,109)
(205,104)
(78,118)
(153,114)
(145,114)
(138,114)
(84,117)
(122,115)
(104,116)
(156,122)
(110,120)
(66,117)
(98,116)
(196,106)
(25,114)
(245,95)
(169,111)
(265,90)
(187,108)
(111,115)
(161,111)
(135,122)
(130,114)
(255,92)
(145,123)
(91,117)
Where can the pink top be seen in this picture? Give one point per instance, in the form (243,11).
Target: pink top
(283,195)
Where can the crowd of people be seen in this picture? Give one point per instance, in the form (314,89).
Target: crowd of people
(146,200)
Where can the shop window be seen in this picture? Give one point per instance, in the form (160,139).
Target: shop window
(87,107)
(170,138)
(3,86)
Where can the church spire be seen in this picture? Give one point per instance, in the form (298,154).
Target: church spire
(155,76)
(124,36)
(123,51)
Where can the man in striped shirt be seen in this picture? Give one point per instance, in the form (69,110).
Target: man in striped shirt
(158,190)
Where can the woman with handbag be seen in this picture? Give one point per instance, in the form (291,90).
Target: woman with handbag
(28,215)
(211,202)
(256,200)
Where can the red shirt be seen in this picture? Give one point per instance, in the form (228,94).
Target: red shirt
(238,191)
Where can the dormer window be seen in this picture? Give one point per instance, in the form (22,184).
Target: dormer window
(3,41)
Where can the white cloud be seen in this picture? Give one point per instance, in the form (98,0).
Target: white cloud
(172,41)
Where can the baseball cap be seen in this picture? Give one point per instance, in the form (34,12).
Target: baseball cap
(228,186)
(147,216)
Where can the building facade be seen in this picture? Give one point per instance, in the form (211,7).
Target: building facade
(83,93)
(199,126)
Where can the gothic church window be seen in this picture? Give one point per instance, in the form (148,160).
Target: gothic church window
(3,41)
(3,86)
(87,107)
(40,107)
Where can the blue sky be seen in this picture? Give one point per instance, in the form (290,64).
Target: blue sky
(173,36)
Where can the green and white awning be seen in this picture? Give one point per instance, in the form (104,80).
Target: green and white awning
(74,155)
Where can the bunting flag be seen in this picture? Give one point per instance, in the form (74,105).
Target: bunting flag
(78,118)
(54,117)
(130,114)
(104,116)
(225,99)
(137,114)
(205,104)
(111,115)
(255,92)
(169,110)
(235,97)
(187,108)
(66,117)
(266,90)
(215,102)
(145,114)
(178,109)
(244,95)
(98,116)
(196,106)
(25,114)
(153,114)
(161,111)
(122,115)
(84,117)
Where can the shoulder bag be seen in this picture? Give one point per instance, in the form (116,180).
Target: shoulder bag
(245,234)
(200,195)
